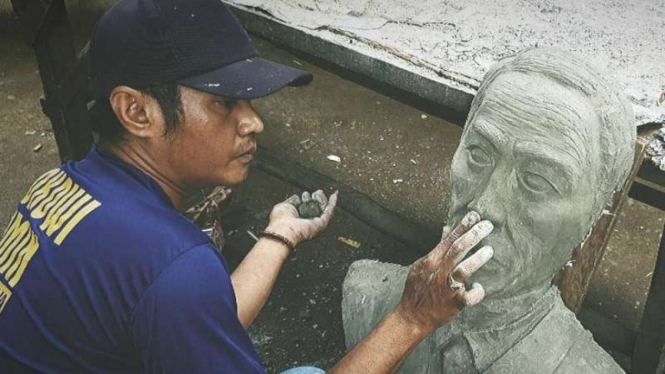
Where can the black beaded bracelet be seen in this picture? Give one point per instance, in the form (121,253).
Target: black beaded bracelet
(279,238)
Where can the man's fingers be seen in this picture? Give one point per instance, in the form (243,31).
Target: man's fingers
(471,297)
(445,232)
(293,200)
(469,266)
(436,256)
(465,225)
(467,241)
(321,198)
(306,197)
(320,223)
(330,208)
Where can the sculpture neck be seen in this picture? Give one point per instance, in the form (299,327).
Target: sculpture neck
(497,313)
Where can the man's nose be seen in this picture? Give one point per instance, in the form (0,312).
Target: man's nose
(491,200)
(248,120)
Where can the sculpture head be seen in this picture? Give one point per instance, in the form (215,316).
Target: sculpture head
(548,140)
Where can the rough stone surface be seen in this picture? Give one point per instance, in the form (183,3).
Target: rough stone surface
(456,41)
(547,142)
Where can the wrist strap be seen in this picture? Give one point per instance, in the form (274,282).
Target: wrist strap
(279,238)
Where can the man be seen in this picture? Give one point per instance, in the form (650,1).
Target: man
(100,272)
(548,141)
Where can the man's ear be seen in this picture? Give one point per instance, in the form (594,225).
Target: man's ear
(138,113)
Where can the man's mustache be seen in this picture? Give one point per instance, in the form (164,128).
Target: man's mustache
(247,147)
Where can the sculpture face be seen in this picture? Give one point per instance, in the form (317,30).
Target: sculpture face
(529,162)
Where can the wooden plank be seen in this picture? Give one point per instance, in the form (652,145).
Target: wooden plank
(54,49)
(573,281)
(75,83)
(648,356)
(610,334)
(649,172)
(34,14)
(648,193)
(649,187)
(359,205)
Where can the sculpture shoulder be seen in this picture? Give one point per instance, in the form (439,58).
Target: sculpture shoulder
(370,290)
(558,345)
(584,355)
(588,357)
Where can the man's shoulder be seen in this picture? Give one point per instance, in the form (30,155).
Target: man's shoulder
(94,212)
(135,232)
(80,211)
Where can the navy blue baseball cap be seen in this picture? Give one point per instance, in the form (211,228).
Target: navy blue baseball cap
(197,43)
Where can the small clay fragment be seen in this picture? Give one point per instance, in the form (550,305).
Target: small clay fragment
(309,209)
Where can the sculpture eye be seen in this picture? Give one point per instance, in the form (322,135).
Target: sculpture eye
(537,183)
(478,156)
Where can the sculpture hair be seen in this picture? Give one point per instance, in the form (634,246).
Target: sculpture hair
(617,133)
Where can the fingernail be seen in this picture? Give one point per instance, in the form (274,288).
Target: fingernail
(470,219)
(485,226)
(486,252)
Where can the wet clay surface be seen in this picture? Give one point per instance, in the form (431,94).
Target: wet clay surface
(342,118)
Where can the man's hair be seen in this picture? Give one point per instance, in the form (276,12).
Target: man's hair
(106,124)
(617,133)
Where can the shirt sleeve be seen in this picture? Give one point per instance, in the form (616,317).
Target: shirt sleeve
(186,321)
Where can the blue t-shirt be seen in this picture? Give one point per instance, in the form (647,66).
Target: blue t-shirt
(100,274)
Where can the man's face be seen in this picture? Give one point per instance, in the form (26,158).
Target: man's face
(214,143)
(527,163)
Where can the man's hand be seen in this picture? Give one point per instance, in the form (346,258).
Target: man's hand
(428,301)
(434,292)
(285,221)
(255,277)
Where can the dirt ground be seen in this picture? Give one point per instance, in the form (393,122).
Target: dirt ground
(397,154)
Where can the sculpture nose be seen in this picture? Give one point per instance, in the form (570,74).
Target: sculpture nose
(491,200)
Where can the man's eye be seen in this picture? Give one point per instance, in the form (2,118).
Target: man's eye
(537,183)
(478,156)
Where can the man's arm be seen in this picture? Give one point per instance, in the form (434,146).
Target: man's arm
(427,303)
(384,350)
(255,277)
(185,321)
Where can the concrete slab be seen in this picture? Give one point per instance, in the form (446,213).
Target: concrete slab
(453,43)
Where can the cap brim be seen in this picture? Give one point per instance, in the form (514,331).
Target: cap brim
(248,79)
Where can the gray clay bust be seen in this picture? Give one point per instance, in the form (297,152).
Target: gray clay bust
(548,140)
